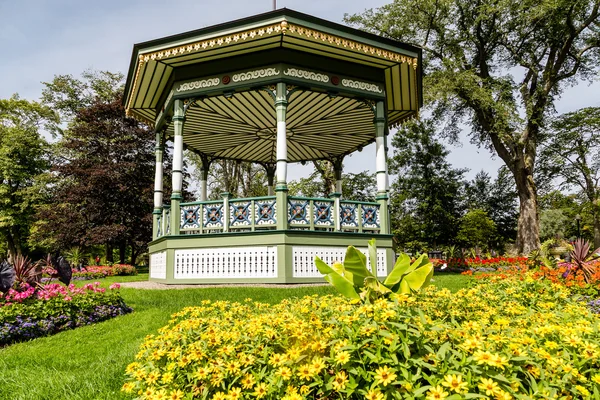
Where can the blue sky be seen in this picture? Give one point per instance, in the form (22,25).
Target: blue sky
(43,38)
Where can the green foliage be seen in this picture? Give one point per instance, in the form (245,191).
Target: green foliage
(23,159)
(426,197)
(353,279)
(473,344)
(499,66)
(553,223)
(571,153)
(476,229)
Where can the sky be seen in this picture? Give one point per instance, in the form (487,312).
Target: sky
(43,38)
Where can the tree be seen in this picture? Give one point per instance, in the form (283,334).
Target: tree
(241,179)
(426,197)
(498,199)
(105,175)
(361,186)
(571,154)
(23,159)
(499,65)
(476,229)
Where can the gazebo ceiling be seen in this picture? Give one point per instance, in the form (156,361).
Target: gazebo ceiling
(242,126)
(338,73)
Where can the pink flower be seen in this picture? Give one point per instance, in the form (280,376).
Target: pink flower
(115,286)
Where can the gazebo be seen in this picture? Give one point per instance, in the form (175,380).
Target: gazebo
(276,88)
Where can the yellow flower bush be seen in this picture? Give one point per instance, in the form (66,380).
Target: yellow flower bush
(500,339)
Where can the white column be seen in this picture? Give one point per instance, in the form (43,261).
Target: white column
(203,185)
(381,167)
(176,196)
(280,108)
(158,175)
(380,154)
(158,188)
(178,118)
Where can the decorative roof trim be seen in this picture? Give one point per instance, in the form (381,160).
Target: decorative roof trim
(282,28)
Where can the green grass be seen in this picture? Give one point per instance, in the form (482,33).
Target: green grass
(88,362)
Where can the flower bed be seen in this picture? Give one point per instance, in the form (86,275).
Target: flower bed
(503,338)
(97,272)
(477,264)
(30,313)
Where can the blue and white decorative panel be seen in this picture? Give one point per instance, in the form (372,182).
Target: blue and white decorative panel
(265,212)
(370,216)
(322,213)
(348,215)
(190,217)
(213,215)
(240,213)
(168,221)
(298,212)
(159,222)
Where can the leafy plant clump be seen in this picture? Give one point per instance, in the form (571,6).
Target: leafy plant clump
(353,279)
(32,312)
(97,272)
(502,339)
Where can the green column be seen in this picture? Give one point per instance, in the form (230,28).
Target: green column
(158,187)
(381,167)
(176,197)
(281,189)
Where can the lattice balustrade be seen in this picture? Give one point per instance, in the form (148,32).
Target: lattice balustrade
(212,215)
(190,216)
(304,265)
(298,212)
(158,265)
(265,212)
(322,213)
(240,214)
(370,217)
(159,224)
(349,215)
(228,262)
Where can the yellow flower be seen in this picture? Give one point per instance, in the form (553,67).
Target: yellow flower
(455,383)
(176,395)
(584,392)
(305,371)
(374,394)
(340,380)
(342,357)
(234,394)
(384,375)
(284,372)
(482,357)
(248,381)
(596,378)
(260,390)
(167,377)
(219,396)
(128,387)
(436,393)
(488,386)
(502,395)
(317,365)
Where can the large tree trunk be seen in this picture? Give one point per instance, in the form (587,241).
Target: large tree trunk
(528,228)
(122,252)
(109,253)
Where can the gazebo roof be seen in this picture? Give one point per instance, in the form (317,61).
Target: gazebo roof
(226,75)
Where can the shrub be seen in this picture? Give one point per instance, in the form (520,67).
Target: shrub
(502,338)
(31,312)
(98,272)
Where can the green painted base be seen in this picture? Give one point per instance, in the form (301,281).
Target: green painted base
(295,251)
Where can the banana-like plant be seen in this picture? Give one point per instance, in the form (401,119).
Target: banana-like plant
(353,279)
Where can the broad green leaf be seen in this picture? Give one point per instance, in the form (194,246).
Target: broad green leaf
(373,256)
(417,278)
(322,266)
(373,283)
(402,264)
(404,287)
(356,263)
(344,286)
(419,262)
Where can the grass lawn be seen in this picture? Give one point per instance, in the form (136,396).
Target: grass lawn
(88,362)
